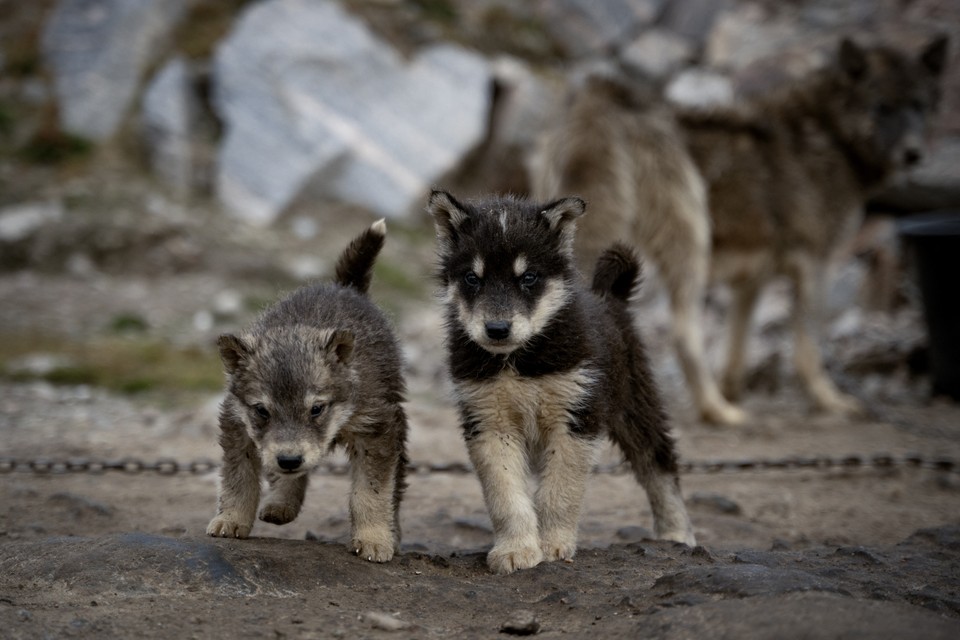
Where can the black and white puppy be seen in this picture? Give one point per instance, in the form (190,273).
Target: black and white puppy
(543,368)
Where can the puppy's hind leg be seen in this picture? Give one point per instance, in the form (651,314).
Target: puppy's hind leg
(239,482)
(670,519)
(283,502)
(650,451)
(566,463)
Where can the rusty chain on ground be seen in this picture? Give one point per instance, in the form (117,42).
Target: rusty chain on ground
(170,466)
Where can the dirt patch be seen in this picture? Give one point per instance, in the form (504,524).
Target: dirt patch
(826,552)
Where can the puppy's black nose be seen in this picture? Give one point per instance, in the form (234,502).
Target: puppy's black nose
(498,329)
(912,157)
(289,463)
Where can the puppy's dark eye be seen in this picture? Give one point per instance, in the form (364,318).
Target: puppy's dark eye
(472,279)
(317,410)
(261,411)
(528,279)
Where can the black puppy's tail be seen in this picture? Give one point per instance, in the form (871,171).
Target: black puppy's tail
(618,273)
(355,264)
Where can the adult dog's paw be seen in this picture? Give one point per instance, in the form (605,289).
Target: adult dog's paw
(225,526)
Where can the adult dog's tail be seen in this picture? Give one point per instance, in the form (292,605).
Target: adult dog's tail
(355,264)
(618,273)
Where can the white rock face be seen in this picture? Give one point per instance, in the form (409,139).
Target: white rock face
(169,113)
(19,221)
(586,27)
(657,53)
(699,87)
(312,99)
(97,51)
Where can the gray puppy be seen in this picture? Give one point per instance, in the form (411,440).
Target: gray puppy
(319,369)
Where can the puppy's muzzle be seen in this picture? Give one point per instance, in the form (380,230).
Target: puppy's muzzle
(289,463)
(497,329)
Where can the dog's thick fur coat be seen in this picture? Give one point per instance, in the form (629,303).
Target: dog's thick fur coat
(320,368)
(543,369)
(743,194)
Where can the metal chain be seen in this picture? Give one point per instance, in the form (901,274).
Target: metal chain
(170,467)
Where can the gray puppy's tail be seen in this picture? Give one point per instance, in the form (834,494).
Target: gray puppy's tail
(618,273)
(355,264)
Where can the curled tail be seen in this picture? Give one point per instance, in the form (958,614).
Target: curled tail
(618,273)
(355,264)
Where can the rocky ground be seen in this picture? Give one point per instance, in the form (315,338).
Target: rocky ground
(115,284)
(863,552)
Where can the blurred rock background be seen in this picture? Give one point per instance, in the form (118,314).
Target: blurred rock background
(235,143)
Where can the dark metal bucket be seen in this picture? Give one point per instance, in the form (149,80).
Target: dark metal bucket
(935,238)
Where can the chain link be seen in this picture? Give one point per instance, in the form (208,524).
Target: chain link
(172,467)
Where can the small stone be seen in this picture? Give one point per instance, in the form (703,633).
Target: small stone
(481,523)
(521,623)
(634,533)
(716,502)
(385,621)
(702,553)
(563,597)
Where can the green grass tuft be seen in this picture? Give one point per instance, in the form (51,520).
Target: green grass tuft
(52,147)
(125,365)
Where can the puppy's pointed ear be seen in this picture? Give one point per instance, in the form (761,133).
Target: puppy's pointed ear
(853,59)
(561,216)
(448,216)
(235,352)
(340,344)
(934,55)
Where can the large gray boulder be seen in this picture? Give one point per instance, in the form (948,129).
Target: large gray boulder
(97,51)
(170,111)
(586,27)
(657,53)
(310,98)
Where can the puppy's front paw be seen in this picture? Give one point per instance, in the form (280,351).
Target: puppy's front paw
(374,545)
(558,547)
(226,526)
(507,558)
(278,513)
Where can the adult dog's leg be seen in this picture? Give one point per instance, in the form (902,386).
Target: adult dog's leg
(808,280)
(686,300)
(745,293)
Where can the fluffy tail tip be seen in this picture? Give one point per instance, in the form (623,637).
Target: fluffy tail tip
(355,265)
(618,273)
